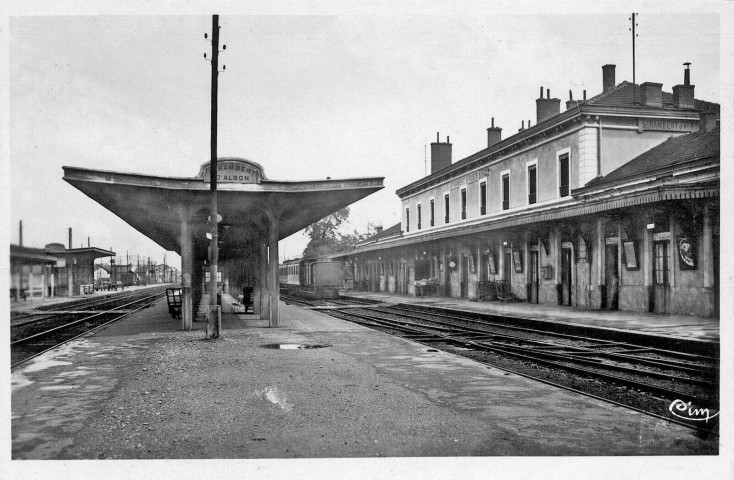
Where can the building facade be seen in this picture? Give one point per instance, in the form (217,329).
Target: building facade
(591,207)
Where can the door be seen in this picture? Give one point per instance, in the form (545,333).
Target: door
(566,276)
(661,273)
(464,276)
(533,276)
(611,276)
(507,267)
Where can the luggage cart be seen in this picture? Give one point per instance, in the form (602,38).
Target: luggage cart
(175,303)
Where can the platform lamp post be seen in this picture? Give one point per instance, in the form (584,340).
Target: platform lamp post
(214,319)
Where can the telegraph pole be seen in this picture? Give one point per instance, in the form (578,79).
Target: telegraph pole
(634,83)
(214,319)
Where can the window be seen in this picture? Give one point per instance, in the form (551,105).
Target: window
(446,208)
(505,191)
(483,198)
(432,213)
(419,216)
(463,203)
(564,175)
(407,220)
(207,277)
(532,184)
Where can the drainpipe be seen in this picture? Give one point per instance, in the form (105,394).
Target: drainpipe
(598,148)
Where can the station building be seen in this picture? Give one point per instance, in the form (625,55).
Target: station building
(610,204)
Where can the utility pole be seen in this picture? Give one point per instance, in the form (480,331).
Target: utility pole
(214,319)
(634,83)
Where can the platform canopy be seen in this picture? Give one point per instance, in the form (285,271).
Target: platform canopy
(247,202)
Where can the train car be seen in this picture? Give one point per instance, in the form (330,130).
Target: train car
(288,272)
(312,278)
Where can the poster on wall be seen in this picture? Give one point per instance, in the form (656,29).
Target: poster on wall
(472,266)
(582,253)
(517,260)
(687,253)
(630,255)
(491,265)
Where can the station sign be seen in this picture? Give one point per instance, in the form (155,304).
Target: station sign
(233,170)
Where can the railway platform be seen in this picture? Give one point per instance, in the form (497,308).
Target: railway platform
(672,326)
(25,306)
(143,389)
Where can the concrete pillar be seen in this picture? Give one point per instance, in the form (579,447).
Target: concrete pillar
(273,287)
(70,276)
(18,280)
(30,284)
(53,283)
(255,281)
(707,249)
(599,253)
(263,282)
(43,282)
(187,267)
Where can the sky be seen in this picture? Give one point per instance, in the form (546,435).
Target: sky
(338,95)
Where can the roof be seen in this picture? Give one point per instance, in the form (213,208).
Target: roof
(673,152)
(158,206)
(389,232)
(623,95)
(34,255)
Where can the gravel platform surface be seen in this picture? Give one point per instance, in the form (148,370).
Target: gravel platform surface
(141,389)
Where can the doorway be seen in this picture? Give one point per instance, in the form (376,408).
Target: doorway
(661,274)
(534,279)
(464,276)
(611,276)
(566,276)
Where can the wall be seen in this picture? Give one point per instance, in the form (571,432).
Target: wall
(546,156)
(621,146)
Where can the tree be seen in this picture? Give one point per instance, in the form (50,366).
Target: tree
(325,237)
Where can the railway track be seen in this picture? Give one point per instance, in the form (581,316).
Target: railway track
(32,338)
(636,376)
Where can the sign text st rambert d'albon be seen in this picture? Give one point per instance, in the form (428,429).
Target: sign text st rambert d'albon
(233,170)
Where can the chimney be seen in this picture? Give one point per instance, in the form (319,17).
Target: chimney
(440,154)
(608,80)
(494,135)
(651,94)
(547,107)
(522,127)
(70,246)
(378,229)
(707,120)
(683,94)
(571,103)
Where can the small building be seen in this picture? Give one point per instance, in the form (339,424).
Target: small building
(75,273)
(32,273)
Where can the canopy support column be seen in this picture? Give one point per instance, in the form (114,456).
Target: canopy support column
(263,282)
(187,267)
(273,287)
